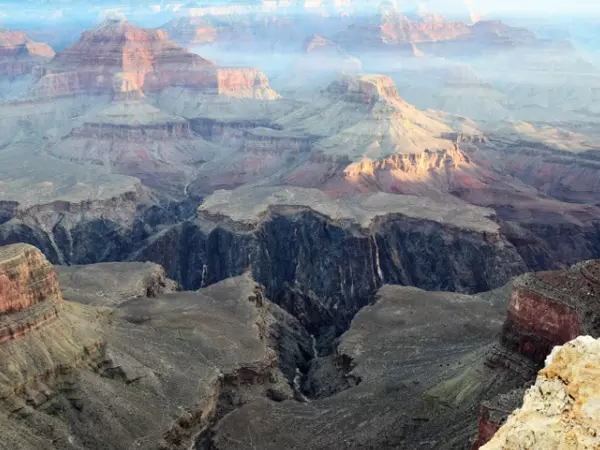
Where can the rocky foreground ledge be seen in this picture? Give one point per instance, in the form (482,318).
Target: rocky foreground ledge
(562,409)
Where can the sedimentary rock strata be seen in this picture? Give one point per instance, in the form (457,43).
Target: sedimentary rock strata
(363,241)
(29,292)
(551,308)
(561,409)
(148,58)
(19,54)
(101,375)
(27,278)
(395,349)
(110,284)
(545,310)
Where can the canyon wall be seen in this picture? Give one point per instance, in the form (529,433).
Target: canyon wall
(322,271)
(29,292)
(561,409)
(546,310)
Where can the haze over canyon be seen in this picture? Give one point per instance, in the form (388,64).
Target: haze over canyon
(299,225)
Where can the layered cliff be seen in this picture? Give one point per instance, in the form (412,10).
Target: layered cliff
(132,137)
(29,292)
(363,241)
(96,377)
(19,54)
(440,37)
(545,310)
(561,409)
(148,58)
(27,278)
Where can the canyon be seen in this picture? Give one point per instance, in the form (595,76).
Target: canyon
(360,258)
(124,327)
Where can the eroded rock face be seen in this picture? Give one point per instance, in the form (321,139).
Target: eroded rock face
(26,278)
(100,375)
(561,410)
(19,54)
(149,59)
(546,309)
(110,284)
(363,243)
(552,308)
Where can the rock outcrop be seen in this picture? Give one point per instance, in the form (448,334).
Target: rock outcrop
(149,60)
(19,54)
(550,308)
(111,284)
(95,377)
(27,279)
(433,35)
(363,241)
(545,310)
(29,292)
(561,410)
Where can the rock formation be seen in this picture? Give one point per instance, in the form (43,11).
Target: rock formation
(29,292)
(19,54)
(545,310)
(146,57)
(396,348)
(435,36)
(363,241)
(191,30)
(133,137)
(561,409)
(111,284)
(551,308)
(100,375)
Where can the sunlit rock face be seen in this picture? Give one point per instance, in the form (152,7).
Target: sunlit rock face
(545,310)
(26,278)
(146,57)
(551,308)
(561,410)
(19,54)
(29,292)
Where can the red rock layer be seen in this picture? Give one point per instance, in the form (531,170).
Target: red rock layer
(146,58)
(546,322)
(14,326)
(546,310)
(19,55)
(26,278)
(487,428)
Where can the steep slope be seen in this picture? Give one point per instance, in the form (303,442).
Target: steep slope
(148,58)
(371,139)
(418,383)
(19,55)
(106,101)
(134,138)
(155,372)
(561,409)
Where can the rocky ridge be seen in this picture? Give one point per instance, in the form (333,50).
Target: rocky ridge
(545,310)
(148,58)
(561,409)
(65,381)
(19,54)
(29,292)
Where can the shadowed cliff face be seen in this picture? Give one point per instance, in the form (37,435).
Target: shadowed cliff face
(323,272)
